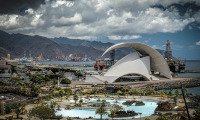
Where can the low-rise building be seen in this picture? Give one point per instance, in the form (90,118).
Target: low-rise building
(7,66)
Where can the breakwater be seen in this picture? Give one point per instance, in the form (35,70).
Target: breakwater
(174,84)
(192,71)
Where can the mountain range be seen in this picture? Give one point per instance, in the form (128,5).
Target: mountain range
(18,45)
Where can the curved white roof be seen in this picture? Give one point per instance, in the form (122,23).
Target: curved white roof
(157,62)
(138,66)
(130,64)
(130,57)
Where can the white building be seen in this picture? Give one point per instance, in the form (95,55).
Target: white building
(70,76)
(145,61)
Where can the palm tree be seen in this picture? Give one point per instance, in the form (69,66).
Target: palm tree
(179,116)
(176,92)
(114,110)
(53,104)
(17,111)
(112,114)
(126,91)
(175,98)
(68,92)
(61,93)
(75,97)
(80,102)
(101,111)
(69,118)
(196,114)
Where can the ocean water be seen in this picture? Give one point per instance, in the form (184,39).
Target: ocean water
(67,63)
(188,75)
(195,66)
(192,65)
(193,90)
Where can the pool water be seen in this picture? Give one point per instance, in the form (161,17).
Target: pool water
(146,110)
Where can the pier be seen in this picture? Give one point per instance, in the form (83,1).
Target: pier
(157,85)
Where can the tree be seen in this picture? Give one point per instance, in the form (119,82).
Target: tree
(34,90)
(101,111)
(196,114)
(61,93)
(78,74)
(162,94)
(69,118)
(119,92)
(80,102)
(16,78)
(176,92)
(53,104)
(75,97)
(20,109)
(42,112)
(162,117)
(65,81)
(17,111)
(37,78)
(55,70)
(68,92)
(114,110)
(13,69)
(179,116)
(126,90)
(175,98)
(147,119)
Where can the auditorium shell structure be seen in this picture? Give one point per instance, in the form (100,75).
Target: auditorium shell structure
(144,61)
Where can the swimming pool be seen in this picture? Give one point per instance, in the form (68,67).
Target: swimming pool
(146,110)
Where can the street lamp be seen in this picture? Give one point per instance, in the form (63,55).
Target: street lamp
(183,94)
(140,115)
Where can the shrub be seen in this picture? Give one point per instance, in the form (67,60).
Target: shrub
(42,111)
(65,81)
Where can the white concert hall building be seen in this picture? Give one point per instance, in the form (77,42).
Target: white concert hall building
(144,61)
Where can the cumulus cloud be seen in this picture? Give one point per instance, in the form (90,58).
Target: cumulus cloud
(77,18)
(59,3)
(156,47)
(87,19)
(8,22)
(37,20)
(198,43)
(197,16)
(19,6)
(126,37)
(29,11)
(84,37)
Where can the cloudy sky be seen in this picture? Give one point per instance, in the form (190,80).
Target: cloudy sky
(148,21)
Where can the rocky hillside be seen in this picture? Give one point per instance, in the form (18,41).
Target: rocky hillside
(76,42)
(18,45)
(53,48)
